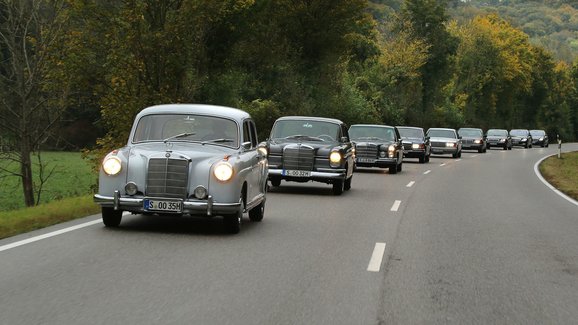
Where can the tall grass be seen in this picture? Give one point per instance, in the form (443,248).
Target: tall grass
(562,173)
(72,176)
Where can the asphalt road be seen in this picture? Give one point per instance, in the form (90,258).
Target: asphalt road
(476,240)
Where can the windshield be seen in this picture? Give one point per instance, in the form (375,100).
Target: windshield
(410,133)
(439,133)
(306,130)
(372,133)
(498,133)
(470,132)
(519,132)
(187,128)
(537,133)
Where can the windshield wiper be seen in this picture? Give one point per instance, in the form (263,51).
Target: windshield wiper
(308,137)
(222,140)
(182,135)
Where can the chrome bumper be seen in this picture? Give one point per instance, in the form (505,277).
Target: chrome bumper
(319,174)
(195,207)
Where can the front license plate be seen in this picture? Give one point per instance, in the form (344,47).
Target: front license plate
(365,160)
(297,173)
(162,205)
(437,150)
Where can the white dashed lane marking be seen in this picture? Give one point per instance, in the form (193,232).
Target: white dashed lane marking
(376,257)
(410,184)
(395,205)
(427,172)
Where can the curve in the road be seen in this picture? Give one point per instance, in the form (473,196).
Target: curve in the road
(537,171)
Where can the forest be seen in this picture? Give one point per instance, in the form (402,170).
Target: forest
(74,73)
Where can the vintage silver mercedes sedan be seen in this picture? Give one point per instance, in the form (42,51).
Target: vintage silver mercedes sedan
(186,159)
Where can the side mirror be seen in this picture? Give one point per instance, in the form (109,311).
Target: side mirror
(246,145)
(344,139)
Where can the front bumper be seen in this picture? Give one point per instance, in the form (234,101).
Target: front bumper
(315,175)
(377,162)
(444,150)
(190,206)
(414,153)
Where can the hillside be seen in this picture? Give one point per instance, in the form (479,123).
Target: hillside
(551,24)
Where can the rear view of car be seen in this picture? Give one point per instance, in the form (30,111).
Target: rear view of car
(498,138)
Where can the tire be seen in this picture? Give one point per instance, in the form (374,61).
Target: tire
(347,184)
(338,187)
(232,222)
(427,158)
(455,155)
(111,217)
(393,170)
(399,167)
(257,213)
(422,159)
(276,182)
(480,150)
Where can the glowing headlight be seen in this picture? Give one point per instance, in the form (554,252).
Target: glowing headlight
(391,148)
(477,141)
(450,144)
(415,146)
(541,139)
(523,139)
(335,157)
(111,166)
(502,140)
(223,171)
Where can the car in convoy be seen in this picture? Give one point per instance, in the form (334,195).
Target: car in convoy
(445,141)
(473,139)
(499,138)
(539,138)
(377,146)
(415,143)
(305,148)
(186,159)
(521,138)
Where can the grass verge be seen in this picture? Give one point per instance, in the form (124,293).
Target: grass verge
(562,173)
(24,220)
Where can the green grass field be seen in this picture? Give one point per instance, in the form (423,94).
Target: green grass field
(562,173)
(72,177)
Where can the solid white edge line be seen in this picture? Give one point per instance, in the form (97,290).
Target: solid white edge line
(427,172)
(541,178)
(395,205)
(376,257)
(410,184)
(48,235)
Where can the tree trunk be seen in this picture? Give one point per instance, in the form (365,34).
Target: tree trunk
(26,172)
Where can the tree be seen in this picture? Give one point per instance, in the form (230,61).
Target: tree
(28,28)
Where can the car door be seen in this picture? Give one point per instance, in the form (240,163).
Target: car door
(252,159)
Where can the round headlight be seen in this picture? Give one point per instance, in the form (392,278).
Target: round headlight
(223,171)
(263,151)
(130,188)
(391,148)
(111,166)
(335,157)
(200,192)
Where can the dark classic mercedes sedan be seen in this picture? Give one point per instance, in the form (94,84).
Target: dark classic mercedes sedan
(377,146)
(473,139)
(415,143)
(303,148)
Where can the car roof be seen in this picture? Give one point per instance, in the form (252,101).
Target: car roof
(373,125)
(201,109)
(310,118)
(477,129)
(409,127)
(447,129)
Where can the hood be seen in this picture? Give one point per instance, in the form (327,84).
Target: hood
(194,152)
(375,143)
(412,140)
(320,147)
(441,139)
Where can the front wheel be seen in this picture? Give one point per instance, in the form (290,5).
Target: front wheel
(256,214)
(422,159)
(232,222)
(276,182)
(347,184)
(399,167)
(338,187)
(393,170)
(111,217)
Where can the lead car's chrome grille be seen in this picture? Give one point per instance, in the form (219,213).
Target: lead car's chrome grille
(298,158)
(438,144)
(167,178)
(366,150)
